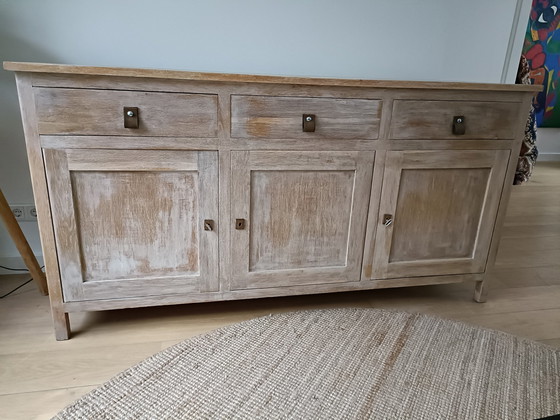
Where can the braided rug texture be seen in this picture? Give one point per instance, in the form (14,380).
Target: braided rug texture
(336,364)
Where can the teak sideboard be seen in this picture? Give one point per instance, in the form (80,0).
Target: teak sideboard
(159,187)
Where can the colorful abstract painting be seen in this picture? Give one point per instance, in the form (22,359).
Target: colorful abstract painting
(542,50)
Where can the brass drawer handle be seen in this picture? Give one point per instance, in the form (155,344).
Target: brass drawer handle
(131,117)
(308,123)
(459,126)
(208,224)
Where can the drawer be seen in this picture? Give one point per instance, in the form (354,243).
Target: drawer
(101,112)
(282,117)
(434,119)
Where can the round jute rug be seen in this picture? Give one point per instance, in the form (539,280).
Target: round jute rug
(336,364)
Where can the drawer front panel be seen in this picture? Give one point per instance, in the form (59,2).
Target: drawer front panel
(101,112)
(434,120)
(282,117)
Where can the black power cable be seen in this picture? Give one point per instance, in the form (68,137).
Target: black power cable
(21,285)
(13,269)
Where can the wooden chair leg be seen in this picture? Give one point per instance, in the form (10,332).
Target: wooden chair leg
(23,247)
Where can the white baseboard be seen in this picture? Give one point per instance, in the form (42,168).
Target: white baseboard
(16,262)
(548,157)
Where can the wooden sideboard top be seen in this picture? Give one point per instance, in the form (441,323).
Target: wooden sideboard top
(243,78)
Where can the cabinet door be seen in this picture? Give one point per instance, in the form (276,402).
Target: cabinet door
(132,222)
(300,217)
(437,212)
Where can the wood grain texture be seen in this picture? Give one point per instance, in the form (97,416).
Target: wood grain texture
(524,300)
(77,81)
(443,209)
(305,214)
(64,223)
(306,197)
(438,201)
(269,292)
(119,142)
(60,319)
(137,224)
(100,112)
(134,232)
(481,289)
(299,219)
(48,399)
(241,78)
(209,253)
(131,160)
(224,188)
(434,119)
(281,117)
(373,210)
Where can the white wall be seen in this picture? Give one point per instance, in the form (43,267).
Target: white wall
(447,40)
(406,39)
(548,144)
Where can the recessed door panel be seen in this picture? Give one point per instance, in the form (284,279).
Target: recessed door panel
(437,213)
(132,223)
(299,219)
(304,217)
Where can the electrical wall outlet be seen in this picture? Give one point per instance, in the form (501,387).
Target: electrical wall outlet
(30,212)
(18,212)
(24,212)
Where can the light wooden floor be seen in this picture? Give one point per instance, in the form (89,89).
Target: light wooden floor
(39,376)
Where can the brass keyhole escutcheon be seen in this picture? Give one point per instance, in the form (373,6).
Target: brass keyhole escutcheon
(239,224)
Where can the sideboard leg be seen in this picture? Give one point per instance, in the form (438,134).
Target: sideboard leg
(480,292)
(61,325)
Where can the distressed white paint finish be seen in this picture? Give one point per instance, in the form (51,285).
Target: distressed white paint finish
(64,223)
(434,119)
(443,208)
(129,233)
(131,160)
(89,111)
(281,117)
(438,213)
(137,224)
(306,201)
(305,216)
(299,219)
